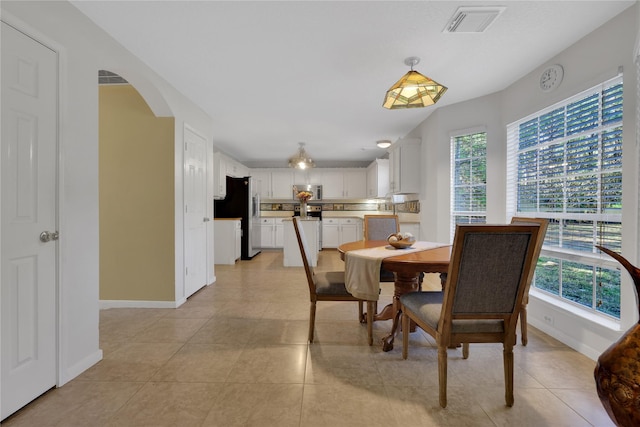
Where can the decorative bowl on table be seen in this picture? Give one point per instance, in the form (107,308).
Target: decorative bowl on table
(401,240)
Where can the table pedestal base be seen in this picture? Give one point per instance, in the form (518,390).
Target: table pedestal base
(405,283)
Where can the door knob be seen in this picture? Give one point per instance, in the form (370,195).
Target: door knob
(47,236)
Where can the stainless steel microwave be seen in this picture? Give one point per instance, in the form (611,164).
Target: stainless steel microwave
(315,190)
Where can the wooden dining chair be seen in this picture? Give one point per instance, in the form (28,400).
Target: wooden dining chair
(326,286)
(487,278)
(379,227)
(543,223)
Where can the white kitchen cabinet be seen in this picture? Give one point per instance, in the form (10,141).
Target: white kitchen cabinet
(350,230)
(227,241)
(282,184)
(301,176)
(404,166)
(220,176)
(332,184)
(336,231)
(267,233)
(355,184)
(236,169)
(378,178)
(291,253)
(344,183)
(315,176)
(274,183)
(271,232)
(262,183)
(278,231)
(330,232)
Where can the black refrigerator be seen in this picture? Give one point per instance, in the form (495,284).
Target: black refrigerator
(242,201)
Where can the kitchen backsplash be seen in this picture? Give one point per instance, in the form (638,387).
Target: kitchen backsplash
(408,207)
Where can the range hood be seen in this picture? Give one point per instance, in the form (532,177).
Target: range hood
(399,198)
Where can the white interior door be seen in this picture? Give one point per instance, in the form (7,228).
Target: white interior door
(28,265)
(195,199)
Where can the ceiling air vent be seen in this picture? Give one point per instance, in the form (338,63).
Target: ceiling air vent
(473,19)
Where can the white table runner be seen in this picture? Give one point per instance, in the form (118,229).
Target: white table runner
(362,267)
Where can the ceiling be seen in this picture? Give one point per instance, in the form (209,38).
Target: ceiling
(272,74)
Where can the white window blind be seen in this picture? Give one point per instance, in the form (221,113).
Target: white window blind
(565,164)
(468,179)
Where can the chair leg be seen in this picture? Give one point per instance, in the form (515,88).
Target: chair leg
(523,324)
(442,374)
(312,320)
(370,311)
(405,335)
(361,317)
(508,373)
(465,350)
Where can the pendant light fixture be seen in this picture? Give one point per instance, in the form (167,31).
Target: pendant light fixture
(413,90)
(301,159)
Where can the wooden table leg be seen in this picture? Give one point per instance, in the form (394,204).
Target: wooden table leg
(405,282)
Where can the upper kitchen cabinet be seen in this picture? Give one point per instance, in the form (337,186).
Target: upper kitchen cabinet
(224,166)
(274,183)
(315,176)
(404,166)
(262,182)
(378,178)
(282,184)
(344,183)
(220,176)
(236,169)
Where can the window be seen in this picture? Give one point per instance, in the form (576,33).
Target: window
(468,179)
(565,164)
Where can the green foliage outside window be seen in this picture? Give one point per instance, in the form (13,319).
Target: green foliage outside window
(569,170)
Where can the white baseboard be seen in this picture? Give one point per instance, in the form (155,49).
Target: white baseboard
(73,371)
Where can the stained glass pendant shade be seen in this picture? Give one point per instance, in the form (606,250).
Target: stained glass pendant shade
(413,90)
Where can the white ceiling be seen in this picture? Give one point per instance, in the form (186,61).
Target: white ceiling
(275,73)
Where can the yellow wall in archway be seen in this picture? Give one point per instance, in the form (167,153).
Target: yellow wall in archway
(137,220)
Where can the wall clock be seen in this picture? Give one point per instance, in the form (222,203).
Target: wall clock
(551,77)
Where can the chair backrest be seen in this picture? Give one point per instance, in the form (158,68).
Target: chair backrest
(543,223)
(488,273)
(304,250)
(379,227)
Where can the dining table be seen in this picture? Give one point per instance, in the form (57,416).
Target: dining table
(407,268)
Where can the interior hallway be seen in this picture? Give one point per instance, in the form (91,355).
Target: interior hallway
(236,354)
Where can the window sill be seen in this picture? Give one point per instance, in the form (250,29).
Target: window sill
(601,320)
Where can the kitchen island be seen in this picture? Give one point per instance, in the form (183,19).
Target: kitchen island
(311,230)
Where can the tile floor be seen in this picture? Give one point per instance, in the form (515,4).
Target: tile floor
(236,354)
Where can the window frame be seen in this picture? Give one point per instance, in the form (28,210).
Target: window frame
(566,254)
(453,213)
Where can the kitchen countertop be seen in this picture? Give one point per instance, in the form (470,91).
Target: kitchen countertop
(228,219)
(309,218)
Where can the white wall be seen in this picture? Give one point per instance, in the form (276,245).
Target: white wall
(587,63)
(84,49)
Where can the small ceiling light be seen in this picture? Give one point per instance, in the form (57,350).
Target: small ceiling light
(301,159)
(413,90)
(385,143)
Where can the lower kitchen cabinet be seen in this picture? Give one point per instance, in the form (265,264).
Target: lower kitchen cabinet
(271,232)
(311,230)
(336,231)
(227,240)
